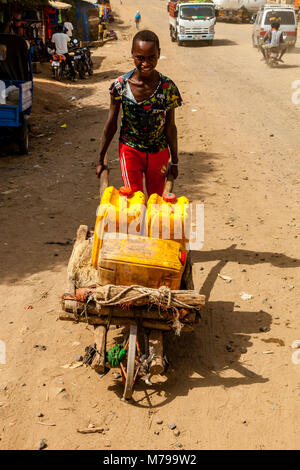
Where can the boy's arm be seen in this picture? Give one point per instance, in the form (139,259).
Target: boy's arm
(110,128)
(171,132)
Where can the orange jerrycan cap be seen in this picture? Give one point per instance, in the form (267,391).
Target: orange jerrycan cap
(169,197)
(125,191)
(183,255)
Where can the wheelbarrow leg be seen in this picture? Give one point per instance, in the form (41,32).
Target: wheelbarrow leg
(130,370)
(98,363)
(156,352)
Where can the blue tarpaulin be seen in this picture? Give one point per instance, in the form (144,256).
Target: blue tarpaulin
(82,16)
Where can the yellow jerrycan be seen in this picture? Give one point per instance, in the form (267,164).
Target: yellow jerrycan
(168,218)
(120,211)
(139,260)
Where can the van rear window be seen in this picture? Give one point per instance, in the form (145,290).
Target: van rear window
(286,17)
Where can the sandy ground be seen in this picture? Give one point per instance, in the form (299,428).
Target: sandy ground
(239,153)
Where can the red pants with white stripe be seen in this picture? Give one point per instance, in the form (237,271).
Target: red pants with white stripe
(135,164)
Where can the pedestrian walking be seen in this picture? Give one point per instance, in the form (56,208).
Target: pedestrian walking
(68,27)
(137,19)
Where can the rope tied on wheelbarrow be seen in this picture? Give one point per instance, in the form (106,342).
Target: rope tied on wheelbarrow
(162,297)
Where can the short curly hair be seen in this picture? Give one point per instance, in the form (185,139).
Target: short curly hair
(147,36)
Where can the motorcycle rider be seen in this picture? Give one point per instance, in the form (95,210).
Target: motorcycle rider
(60,40)
(274,40)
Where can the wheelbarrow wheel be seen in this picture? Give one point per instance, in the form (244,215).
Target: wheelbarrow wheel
(130,370)
(24,139)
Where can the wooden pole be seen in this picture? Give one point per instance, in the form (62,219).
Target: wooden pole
(98,363)
(94,320)
(169,181)
(187,277)
(117,311)
(156,348)
(190,297)
(43,27)
(104,178)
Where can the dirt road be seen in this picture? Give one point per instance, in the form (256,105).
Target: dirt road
(239,148)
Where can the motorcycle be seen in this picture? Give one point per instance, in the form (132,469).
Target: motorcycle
(82,59)
(272,54)
(88,61)
(272,58)
(61,67)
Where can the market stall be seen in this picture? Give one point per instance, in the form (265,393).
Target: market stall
(34,20)
(87,19)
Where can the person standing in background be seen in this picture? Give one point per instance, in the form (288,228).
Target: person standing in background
(137,19)
(101,30)
(68,27)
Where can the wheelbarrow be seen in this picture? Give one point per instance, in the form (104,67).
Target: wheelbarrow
(103,306)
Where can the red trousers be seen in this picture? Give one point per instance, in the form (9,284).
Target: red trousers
(136,164)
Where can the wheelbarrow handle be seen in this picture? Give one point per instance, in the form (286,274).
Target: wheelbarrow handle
(169,181)
(104,177)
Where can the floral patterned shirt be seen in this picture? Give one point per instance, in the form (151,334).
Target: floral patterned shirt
(143,124)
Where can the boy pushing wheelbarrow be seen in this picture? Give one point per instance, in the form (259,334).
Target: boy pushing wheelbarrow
(148,135)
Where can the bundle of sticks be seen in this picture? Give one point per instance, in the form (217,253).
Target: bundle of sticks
(122,305)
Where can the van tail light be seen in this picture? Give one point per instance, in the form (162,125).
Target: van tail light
(262,32)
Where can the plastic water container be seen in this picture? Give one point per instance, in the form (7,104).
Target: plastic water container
(120,211)
(141,261)
(168,218)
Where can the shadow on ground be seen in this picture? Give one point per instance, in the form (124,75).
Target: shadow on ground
(216,43)
(212,355)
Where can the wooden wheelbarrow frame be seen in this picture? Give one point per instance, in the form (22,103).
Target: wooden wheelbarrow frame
(72,311)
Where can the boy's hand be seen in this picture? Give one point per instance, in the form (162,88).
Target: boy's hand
(100,168)
(174,170)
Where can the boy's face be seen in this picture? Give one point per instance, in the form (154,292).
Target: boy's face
(145,55)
